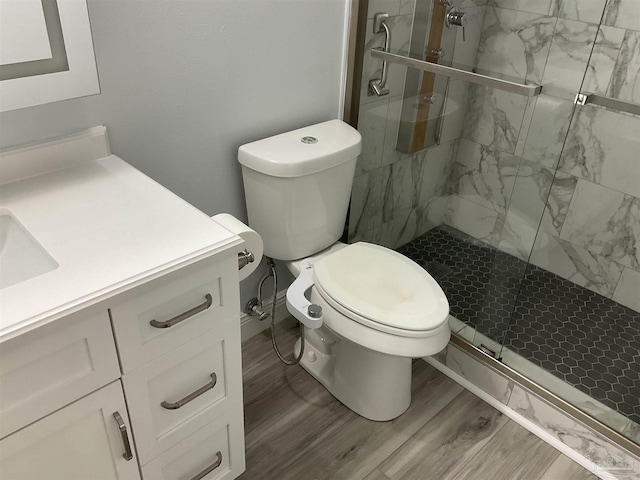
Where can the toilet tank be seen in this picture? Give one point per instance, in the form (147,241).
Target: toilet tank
(297,186)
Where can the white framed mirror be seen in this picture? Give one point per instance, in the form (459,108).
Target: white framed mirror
(46,52)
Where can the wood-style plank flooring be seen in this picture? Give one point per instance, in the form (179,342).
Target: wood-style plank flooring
(295,429)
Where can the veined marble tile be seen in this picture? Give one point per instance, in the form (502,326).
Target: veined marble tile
(576,264)
(558,202)
(568,57)
(628,290)
(494,118)
(541,7)
(399,230)
(575,435)
(400,26)
(372,121)
(370,236)
(431,214)
(434,169)
(606,222)
(632,431)
(399,192)
(515,44)
(359,191)
(406,7)
(390,138)
(526,208)
(548,130)
(623,14)
(483,175)
(582,10)
(471,218)
(602,146)
(466,52)
(392,7)
(625,79)
(527,118)
(368,195)
(491,382)
(603,59)
(455,109)
(469,3)
(517,237)
(530,191)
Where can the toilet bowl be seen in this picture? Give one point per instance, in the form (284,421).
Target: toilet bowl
(367,310)
(380,310)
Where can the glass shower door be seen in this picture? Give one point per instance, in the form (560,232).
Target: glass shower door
(523,208)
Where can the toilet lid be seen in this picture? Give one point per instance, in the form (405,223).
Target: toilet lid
(382,286)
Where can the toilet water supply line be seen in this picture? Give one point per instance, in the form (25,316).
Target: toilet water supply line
(272,266)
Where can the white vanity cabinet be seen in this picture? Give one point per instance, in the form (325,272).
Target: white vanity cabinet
(179,344)
(178,365)
(120,359)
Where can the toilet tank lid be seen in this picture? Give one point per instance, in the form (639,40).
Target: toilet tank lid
(304,151)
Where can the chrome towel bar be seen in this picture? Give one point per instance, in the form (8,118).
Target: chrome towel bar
(607,102)
(455,73)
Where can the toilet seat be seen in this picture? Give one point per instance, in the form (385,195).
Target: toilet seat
(381,289)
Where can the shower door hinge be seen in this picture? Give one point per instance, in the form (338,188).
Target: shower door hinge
(581,99)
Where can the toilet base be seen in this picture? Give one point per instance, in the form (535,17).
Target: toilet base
(375,385)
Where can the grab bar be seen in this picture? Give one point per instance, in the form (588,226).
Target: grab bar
(607,102)
(379,86)
(455,73)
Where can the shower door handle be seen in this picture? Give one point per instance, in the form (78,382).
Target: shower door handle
(379,86)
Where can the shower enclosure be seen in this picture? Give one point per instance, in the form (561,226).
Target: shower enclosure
(511,172)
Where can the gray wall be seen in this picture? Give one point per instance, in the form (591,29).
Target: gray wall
(185,82)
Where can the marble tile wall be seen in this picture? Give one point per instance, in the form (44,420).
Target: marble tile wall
(511,171)
(501,173)
(590,231)
(397,197)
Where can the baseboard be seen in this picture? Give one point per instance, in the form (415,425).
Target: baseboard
(251,326)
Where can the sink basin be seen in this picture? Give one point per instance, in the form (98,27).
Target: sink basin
(21,256)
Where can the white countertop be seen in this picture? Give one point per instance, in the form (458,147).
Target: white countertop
(109,228)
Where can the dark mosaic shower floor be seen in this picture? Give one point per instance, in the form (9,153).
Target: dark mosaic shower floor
(589,341)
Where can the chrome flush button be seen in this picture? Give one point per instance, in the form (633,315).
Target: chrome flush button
(309,140)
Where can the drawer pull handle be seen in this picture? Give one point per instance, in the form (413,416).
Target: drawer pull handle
(210,468)
(127,455)
(191,396)
(183,316)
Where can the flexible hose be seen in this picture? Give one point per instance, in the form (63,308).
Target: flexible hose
(294,361)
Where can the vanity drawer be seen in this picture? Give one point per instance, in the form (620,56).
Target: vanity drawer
(182,306)
(218,447)
(173,396)
(48,368)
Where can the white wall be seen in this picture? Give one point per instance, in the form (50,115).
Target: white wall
(185,82)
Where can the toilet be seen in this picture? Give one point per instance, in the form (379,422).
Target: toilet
(367,311)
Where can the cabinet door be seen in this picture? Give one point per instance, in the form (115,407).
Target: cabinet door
(81,441)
